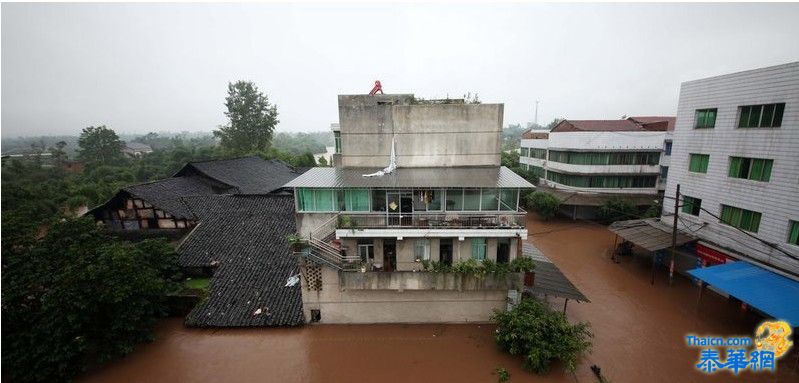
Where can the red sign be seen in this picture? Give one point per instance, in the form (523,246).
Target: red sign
(710,256)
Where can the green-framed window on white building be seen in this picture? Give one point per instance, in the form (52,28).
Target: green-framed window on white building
(691,205)
(758,169)
(705,118)
(793,232)
(479,247)
(741,218)
(697,163)
(761,116)
(538,153)
(524,152)
(421,249)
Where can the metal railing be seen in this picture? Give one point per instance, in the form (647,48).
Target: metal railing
(438,220)
(321,252)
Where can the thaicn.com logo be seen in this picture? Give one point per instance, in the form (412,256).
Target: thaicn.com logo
(757,354)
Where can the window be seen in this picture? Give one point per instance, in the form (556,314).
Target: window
(315,199)
(421,249)
(538,153)
(366,250)
(427,199)
(536,170)
(508,199)
(698,163)
(379,200)
(741,218)
(761,116)
(691,205)
(605,158)
(667,148)
(757,169)
(602,182)
(489,199)
(793,232)
(353,199)
(479,249)
(454,199)
(664,173)
(525,152)
(471,199)
(705,119)
(337,140)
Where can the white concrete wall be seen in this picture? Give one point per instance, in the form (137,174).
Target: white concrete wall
(778,199)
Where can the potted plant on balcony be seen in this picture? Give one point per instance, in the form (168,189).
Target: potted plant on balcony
(297,242)
(524,265)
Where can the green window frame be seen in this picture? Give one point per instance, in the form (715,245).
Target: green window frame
(602,182)
(691,205)
(337,141)
(538,153)
(741,218)
(698,163)
(793,232)
(479,247)
(705,118)
(354,199)
(525,152)
(316,200)
(761,116)
(757,169)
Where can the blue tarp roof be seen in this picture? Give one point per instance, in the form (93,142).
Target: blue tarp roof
(762,289)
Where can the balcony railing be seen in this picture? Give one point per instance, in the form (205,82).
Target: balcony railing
(439,220)
(425,280)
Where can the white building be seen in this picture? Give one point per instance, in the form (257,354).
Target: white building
(584,162)
(736,159)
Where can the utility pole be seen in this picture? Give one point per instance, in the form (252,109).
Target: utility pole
(535,121)
(674,234)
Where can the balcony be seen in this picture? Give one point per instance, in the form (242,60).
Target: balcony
(425,280)
(428,220)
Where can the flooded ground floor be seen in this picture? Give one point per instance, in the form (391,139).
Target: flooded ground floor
(639,335)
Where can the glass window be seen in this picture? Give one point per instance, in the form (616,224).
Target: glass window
(366,250)
(323,199)
(479,249)
(421,249)
(741,218)
(761,116)
(667,149)
(379,200)
(471,199)
(354,199)
(793,233)
(758,169)
(698,163)
(490,200)
(454,199)
(705,119)
(508,199)
(664,172)
(337,139)
(427,200)
(691,205)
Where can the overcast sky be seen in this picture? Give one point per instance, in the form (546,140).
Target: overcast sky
(151,67)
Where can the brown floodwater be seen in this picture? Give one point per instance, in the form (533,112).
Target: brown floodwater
(639,335)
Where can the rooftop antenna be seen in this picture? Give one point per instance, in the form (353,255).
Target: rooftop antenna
(536,113)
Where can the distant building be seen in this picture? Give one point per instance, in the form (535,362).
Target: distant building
(136,149)
(441,197)
(585,162)
(736,159)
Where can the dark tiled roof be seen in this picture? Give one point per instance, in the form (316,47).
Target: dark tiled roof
(631,124)
(250,175)
(246,237)
(466,176)
(165,194)
(656,122)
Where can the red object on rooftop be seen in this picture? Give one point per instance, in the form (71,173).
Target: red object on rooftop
(377,88)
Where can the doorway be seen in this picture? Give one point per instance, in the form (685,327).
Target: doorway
(445,251)
(400,208)
(503,250)
(389,254)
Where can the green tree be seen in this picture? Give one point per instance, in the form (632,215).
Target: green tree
(322,161)
(541,335)
(544,203)
(252,119)
(78,297)
(617,209)
(58,152)
(100,146)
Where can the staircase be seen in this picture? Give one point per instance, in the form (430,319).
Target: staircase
(321,252)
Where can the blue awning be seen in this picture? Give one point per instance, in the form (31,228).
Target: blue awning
(762,289)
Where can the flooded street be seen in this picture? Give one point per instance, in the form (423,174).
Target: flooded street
(639,335)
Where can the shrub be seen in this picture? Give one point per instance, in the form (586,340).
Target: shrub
(521,264)
(617,209)
(541,335)
(544,203)
(502,374)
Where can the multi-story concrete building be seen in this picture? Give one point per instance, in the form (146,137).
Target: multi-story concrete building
(736,159)
(584,162)
(444,198)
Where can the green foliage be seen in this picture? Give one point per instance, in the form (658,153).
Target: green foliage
(544,203)
(511,136)
(100,146)
(541,335)
(252,119)
(77,298)
(197,283)
(617,209)
(502,374)
(322,161)
(511,161)
(654,211)
(521,264)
